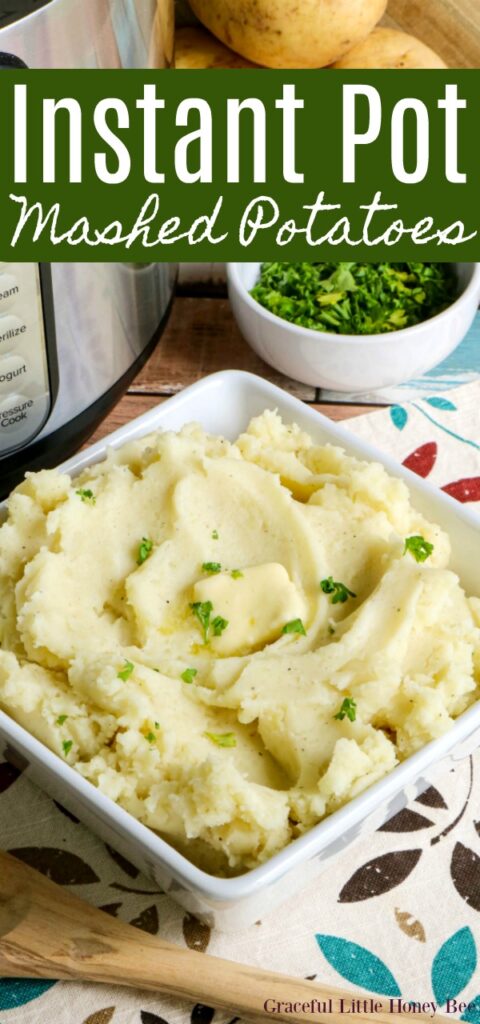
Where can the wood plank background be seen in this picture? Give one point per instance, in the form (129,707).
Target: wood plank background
(451,27)
(202,337)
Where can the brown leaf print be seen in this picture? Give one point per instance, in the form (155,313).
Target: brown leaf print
(431,798)
(122,862)
(101,1016)
(138,892)
(410,926)
(476,826)
(8,775)
(60,866)
(202,1014)
(111,908)
(16,758)
(196,934)
(379,875)
(406,821)
(147,920)
(465,872)
(151,1018)
(68,814)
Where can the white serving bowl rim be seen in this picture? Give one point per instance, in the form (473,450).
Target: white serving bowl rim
(235,278)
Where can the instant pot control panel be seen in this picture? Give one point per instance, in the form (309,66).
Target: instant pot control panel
(28,371)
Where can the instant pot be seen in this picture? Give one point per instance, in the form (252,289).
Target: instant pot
(73,335)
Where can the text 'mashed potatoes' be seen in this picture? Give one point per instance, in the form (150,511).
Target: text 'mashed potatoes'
(387,48)
(290,33)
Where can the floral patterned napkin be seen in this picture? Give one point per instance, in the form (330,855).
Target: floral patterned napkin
(398,913)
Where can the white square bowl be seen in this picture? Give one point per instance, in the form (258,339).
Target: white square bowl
(224,403)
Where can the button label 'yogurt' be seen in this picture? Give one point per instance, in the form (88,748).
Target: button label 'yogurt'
(12,368)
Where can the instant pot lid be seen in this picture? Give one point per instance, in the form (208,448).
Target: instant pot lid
(14,10)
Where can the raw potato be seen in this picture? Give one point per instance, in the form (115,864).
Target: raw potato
(196,49)
(388,48)
(290,33)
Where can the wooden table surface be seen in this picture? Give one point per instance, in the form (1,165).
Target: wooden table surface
(451,27)
(202,337)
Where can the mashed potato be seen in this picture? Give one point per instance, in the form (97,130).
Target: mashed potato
(230,640)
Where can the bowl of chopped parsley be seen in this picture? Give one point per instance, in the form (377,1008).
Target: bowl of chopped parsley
(354,326)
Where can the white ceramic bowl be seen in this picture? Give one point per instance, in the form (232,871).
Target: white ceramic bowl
(350,362)
(224,403)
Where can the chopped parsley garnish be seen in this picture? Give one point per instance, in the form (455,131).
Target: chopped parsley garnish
(420,548)
(340,593)
(355,298)
(157,725)
(203,610)
(126,671)
(218,625)
(150,737)
(189,675)
(295,626)
(86,495)
(215,535)
(67,746)
(144,550)
(222,739)
(331,631)
(347,710)
(236,574)
(211,567)
(61,719)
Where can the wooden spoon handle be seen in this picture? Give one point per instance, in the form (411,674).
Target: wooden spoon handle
(45,932)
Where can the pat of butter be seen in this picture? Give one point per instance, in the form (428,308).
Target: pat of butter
(257,605)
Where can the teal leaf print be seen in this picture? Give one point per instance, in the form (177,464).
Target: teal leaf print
(472,1013)
(399,416)
(441,403)
(454,965)
(18,991)
(358,965)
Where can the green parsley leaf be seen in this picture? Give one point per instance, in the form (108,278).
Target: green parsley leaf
(295,626)
(189,675)
(218,625)
(222,739)
(144,550)
(347,710)
(126,671)
(150,737)
(236,574)
(157,725)
(202,611)
(355,298)
(86,495)
(61,719)
(331,631)
(211,567)
(420,548)
(340,593)
(215,535)
(67,746)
